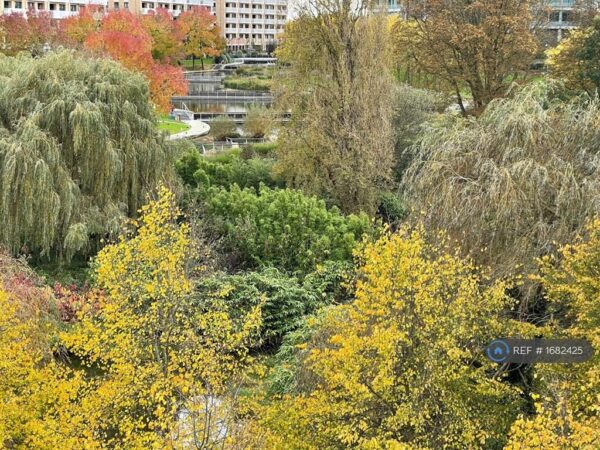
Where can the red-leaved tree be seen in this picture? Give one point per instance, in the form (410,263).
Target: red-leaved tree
(29,33)
(121,36)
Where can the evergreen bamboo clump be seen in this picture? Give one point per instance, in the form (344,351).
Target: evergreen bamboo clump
(78,151)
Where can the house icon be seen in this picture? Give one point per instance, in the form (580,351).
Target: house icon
(498,351)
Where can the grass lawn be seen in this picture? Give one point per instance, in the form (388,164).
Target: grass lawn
(187,63)
(171,126)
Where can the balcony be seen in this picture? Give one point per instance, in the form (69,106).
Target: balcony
(560,4)
(557,25)
(15,10)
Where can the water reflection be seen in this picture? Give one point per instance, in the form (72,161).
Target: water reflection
(200,106)
(196,87)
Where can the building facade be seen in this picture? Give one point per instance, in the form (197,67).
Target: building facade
(251,23)
(560,21)
(59,9)
(244,24)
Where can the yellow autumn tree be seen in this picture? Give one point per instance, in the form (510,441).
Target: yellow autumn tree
(163,363)
(568,409)
(38,392)
(403,365)
(575,59)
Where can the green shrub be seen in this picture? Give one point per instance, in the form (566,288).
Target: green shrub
(265,148)
(222,128)
(225,170)
(247,84)
(288,375)
(281,227)
(285,300)
(392,208)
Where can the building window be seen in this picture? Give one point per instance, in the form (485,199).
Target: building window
(62,7)
(18,5)
(7,4)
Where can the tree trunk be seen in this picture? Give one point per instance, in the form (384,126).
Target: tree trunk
(193,61)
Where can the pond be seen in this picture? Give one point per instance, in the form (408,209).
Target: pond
(200,100)
(198,105)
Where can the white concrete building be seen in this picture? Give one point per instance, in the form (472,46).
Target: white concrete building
(59,9)
(243,23)
(251,23)
(561,19)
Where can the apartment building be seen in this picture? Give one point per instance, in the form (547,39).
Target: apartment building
(559,16)
(175,7)
(61,9)
(560,21)
(251,23)
(244,23)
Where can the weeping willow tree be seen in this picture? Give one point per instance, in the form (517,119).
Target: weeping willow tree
(78,151)
(513,184)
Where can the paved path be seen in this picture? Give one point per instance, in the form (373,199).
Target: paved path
(197,128)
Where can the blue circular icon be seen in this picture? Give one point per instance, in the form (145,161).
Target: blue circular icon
(498,351)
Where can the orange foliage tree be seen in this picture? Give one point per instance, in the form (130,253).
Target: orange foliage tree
(78,27)
(166,43)
(122,36)
(199,33)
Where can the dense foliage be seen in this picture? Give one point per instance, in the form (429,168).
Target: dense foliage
(133,42)
(236,312)
(151,44)
(472,46)
(576,59)
(153,368)
(513,183)
(226,169)
(567,415)
(28,32)
(78,151)
(401,366)
(414,109)
(338,87)
(283,300)
(282,228)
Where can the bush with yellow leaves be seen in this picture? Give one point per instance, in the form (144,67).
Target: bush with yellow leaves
(165,364)
(145,366)
(568,407)
(403,365)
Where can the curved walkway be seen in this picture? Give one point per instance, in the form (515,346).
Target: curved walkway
(197,128)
